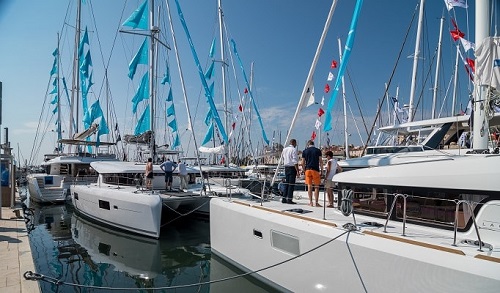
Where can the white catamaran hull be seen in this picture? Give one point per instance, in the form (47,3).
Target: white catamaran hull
(333,260)
(45,188)
(120,207)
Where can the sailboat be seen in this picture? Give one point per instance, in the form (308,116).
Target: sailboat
(120,198)
(419,227)
(70,162)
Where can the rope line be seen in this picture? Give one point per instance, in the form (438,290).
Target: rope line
(29,275)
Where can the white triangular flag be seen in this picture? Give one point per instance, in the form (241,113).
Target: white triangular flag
(323,101)
(330,76)
(309,99)
(318,124)
(467,45)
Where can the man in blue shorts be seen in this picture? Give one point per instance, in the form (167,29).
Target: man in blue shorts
(168,167)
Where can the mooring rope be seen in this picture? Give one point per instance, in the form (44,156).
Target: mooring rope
(29,275)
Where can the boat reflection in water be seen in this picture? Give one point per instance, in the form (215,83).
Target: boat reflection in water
(83,254)
(136,256)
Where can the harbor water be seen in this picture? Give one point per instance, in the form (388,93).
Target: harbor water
(78,255)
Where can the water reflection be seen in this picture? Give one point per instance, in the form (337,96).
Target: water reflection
(76,250)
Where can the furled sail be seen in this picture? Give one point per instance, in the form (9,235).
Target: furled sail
(143,138)
(215,150)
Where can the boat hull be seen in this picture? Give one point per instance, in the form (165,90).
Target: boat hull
(45,188)
(334,260)
(136,212)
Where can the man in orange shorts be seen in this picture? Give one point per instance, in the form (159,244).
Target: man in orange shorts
(312,163)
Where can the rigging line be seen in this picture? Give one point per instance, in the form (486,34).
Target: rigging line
(355,122)
(244,117)
(29,275)
(420,97)
(379,109)
(357,101)
(37,133)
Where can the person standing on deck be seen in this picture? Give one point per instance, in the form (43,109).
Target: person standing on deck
(291,162)
(149,173)
(332,168)
(312,164)
(168,167)
(183,174)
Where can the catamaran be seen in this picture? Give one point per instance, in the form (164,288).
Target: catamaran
(428,226)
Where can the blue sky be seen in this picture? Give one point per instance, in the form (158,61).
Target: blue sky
(279,37)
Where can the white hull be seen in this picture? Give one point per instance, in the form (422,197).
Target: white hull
(45,188)
(121,207)
(368,260)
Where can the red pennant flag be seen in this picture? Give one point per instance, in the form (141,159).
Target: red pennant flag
(240,108)
(246,91)
(313,135)
(320,112)
(334,64)
(327,88)
(471,64)
(457,34)
(233,125)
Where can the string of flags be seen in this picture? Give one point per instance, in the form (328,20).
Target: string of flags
(310,100)
(458,35)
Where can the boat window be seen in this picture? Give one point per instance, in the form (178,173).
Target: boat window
(426,206)
(124,179)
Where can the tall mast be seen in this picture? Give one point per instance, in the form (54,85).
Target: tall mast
(416,55)
(59,130)
(223,62)
(346,134)
(184,92)
(76,74)
(480,137)
(152,74)
(435,89)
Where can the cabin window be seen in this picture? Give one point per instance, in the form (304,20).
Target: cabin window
(123,179)
(436,208)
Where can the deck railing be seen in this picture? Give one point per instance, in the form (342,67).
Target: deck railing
(466,203)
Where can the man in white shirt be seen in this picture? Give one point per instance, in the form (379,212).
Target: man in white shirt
(183,174)
(291,162)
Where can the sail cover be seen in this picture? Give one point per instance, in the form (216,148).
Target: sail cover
(215,150)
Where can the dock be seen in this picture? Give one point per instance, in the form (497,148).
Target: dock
(15,252)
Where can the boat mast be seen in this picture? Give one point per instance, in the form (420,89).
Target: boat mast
(346,134)
(76,74)
(416,55)
(438,62)
(223,62)
(480,137)
(152,101)
(184,93)
(59,130)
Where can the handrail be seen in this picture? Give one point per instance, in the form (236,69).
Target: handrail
(455,224)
